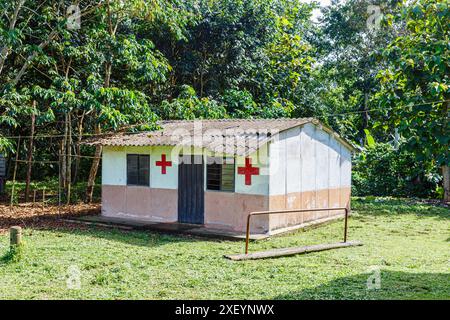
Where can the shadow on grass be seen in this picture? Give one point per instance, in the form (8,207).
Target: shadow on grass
(8,257)
(52,220)
(132,237)
(144,238)
(14,254)
(393,285)
(393,206)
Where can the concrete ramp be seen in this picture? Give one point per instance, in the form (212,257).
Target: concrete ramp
(284,252)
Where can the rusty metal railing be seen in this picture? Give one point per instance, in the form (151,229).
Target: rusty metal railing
(258,213)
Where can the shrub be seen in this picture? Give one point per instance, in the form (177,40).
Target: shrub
(383,170)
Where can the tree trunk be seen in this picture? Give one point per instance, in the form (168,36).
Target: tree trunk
(64,155)
(78,149)
(446,183)
(14,173)
(98,149)
(94,168)
(445,167)
(41,46)
(31,57)
(30,155)
(69,158)
(365,119)
(4,52)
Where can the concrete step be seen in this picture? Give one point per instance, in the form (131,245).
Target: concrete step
(173,227)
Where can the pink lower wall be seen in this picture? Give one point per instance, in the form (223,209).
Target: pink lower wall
(327,198)
(229,210)
(223,210)
(140,203)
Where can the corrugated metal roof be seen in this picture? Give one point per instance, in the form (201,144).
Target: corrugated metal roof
(230,136)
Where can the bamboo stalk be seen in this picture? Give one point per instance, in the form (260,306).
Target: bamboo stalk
(14,174)
(30,155)
(43,198)
(69,157)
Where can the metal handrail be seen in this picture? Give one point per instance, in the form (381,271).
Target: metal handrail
(257,213)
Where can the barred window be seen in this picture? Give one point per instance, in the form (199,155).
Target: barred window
(220,174)
(138,166)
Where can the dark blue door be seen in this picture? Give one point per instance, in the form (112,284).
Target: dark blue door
(190,189)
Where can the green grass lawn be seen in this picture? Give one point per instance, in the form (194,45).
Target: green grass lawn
(408,243)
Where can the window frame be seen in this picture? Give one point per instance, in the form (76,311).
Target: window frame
(224,162)
(139,156)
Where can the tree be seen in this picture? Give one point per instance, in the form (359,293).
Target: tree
(94,78)
(350,48)
(188,106)
(416,86)
(285,80)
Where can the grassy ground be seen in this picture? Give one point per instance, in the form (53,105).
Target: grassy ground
(408,243)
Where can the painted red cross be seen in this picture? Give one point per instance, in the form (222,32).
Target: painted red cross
(248,170)
(163,164)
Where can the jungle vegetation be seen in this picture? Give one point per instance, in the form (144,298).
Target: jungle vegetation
(377,71)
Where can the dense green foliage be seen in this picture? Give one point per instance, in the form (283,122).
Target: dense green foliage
(407,242)
(385,170)
(416,84)
(133,62)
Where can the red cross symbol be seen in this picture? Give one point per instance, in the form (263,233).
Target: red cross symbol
(248,170)
(163,164)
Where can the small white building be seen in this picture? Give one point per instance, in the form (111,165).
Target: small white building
(215,172)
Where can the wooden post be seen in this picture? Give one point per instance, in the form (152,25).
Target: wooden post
(15,236)
(64,156)
(94,167)
(43,198)
(34,197)
(446,183)
(69,157)
(14,173)
(59,180)
(30,155)
(78,148)
(345,224)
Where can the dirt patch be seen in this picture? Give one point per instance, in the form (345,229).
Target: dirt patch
(29,216)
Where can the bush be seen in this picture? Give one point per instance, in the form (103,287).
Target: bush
(382,170)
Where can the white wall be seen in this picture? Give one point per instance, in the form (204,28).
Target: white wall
(260,183)
(293,164)
(345,161)
(157,179)
(114,166)
(308,156)
(335,151)
(114,163)
(314,160)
